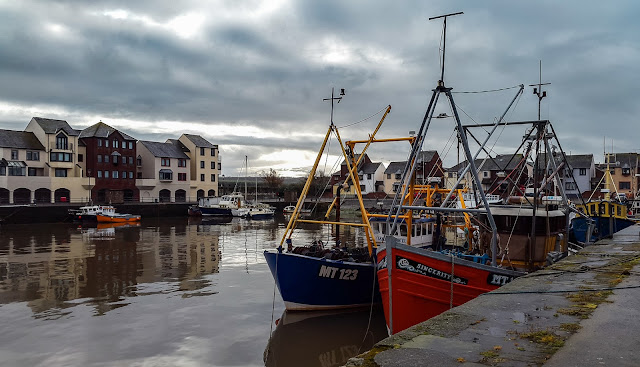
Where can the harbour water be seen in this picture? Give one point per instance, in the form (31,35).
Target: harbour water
(168,292)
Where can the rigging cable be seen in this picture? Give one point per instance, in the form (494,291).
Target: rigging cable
(364,119)
(488,90)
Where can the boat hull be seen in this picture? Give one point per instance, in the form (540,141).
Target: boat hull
(223,212)
(309,283)
(118,219)
(604,227)
(422,282)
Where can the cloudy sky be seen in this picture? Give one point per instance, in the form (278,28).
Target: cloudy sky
(250,76)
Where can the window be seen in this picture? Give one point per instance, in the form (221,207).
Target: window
(32,171)
(360,177)
(131,160)
(450,174)
(124,160)
(114,174)
(3,171)
(485,173)
(397,176)
(213,177)
(202,177)
(213,152)
(626,171)
(362,188)
(33,156)
(99,174)
(17,170)
(131,145)
(139,161)
(213,165)
(182,162)
(201,164)
(583,171)
(570,185)
(201,151)
(115,143)
(106,158)
(182,176)
(99,158)
(219,165)
(106,143)
(80,158)
(61,141)
(99,142)
(139,174)
(60,157)
(106,174)
(368,176)
(388,176)
(61,172)
(165,162)
(625,185)
(14,155)
(130,174)
(123,174)
(166,175)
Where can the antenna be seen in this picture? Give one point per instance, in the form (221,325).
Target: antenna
(334,98)
(538,90)
(444,42)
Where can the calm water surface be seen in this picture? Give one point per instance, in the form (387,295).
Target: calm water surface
(170,292)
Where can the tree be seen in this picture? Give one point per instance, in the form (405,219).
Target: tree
(272,179)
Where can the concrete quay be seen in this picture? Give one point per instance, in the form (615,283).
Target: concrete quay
(581,311)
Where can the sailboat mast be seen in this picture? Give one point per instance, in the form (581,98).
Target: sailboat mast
(246,175)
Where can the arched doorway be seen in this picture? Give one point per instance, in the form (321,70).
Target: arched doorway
(211,193)
(200,194)
(62,195)
(21,196)
(42,195)
(102,196)
(181,196)
(4,196)
(128,195)
(165,196)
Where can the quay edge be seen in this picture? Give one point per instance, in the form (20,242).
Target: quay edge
(581,311)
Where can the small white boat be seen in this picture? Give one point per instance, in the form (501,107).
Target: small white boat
(288,210)
(89,213)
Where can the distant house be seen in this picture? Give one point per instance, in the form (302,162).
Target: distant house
(24,175)
(164,171)
(624,168)
(497,176)
(429,168)
(370,175)
(111,159)
(577,177)
(392,177)
(205,165)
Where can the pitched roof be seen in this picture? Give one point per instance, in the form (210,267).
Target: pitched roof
(369,168)
(51,126)
(426,155)
(395,167)
(199,141)
(19,140)
(164,150)
(501,160)
(179,144)
(580,161)
(625,159)
(102,130)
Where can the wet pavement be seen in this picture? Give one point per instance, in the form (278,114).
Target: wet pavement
(581,311)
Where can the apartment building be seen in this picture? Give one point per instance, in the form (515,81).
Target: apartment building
(163,171)
(205,165)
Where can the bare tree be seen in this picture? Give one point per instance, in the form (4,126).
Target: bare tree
(272,179)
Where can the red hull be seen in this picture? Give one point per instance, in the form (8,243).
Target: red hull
(421,283)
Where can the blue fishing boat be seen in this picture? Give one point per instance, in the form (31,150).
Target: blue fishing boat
(324,276)
(608,216)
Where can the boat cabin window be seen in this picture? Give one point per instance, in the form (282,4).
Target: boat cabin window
(619,210)
(429,228)
(403,230)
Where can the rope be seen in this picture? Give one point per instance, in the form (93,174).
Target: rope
(488,90)
(364,119)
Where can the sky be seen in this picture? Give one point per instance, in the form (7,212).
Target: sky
(251,76)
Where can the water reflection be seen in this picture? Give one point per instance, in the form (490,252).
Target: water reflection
(53,265)
(172,291)
(323,339)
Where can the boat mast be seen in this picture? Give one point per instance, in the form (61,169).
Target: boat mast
(246,175)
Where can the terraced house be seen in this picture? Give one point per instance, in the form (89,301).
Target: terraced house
(163,171)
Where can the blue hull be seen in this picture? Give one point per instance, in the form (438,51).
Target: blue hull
(309,283)
(601,230)
(215,211)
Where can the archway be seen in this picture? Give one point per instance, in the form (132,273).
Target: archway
(200,194)
(102,196)
(211,193)
(181,196)
(165,196)
(4,196)
(21,196)
(62,195)
(42,195)
(128,195)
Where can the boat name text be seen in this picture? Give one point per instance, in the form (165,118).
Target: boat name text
(498,279)
(331,272)
(418,268)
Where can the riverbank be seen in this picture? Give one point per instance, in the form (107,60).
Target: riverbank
(582,311)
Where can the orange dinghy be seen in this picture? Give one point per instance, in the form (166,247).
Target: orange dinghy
(117,218)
